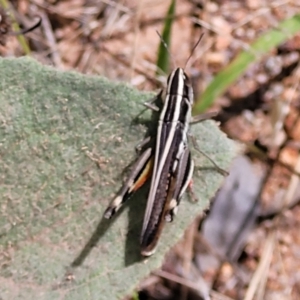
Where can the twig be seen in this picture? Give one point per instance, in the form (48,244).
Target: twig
(259,278)
(51,40)
(187,254)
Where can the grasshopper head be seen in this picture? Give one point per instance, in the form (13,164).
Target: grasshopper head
(178,83)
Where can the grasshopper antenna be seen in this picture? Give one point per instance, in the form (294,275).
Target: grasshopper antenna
(193,49)
(167,48)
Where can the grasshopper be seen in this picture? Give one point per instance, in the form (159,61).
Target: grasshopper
(167,161)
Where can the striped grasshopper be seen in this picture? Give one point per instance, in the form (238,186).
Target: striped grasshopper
(167,160)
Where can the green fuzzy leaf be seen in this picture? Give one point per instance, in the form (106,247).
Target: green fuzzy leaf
(65,140)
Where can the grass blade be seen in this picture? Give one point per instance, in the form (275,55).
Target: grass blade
(285,30)
(163,53)
(15,26)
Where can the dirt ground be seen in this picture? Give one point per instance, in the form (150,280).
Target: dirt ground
(118,40)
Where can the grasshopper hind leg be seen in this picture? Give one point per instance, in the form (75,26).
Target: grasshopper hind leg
(139,174)
(182,178)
